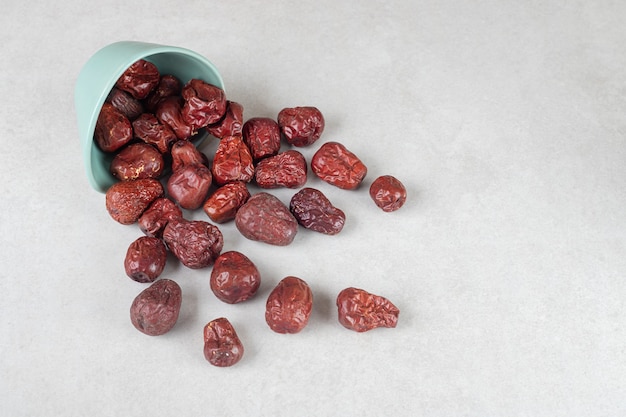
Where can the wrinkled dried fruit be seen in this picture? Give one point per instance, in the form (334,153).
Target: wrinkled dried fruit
(148,128)
(314,211)
(232,161)
(301,126)
(234,277)
(155,218)
(125,103)
(185,153)
(189,185)
(361,311)
(127,200)
(136,161)
(262,135)
(336,165)
(223,204)
(388,193)
(222,346)
(195,243)
(266,219)
(168,112)
(289,306)
(287,169)
(145,259)
(139,79)
(155,310)
(113,130)
(168,86)
(230,124)
(204,103)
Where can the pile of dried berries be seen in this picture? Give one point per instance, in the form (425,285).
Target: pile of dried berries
(148,122)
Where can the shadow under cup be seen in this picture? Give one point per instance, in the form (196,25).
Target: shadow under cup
(99,75)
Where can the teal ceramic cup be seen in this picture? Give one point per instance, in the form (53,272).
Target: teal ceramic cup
(98,77)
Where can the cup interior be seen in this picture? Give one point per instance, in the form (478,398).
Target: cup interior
(98,77)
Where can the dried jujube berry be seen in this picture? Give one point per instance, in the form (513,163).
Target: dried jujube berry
(148,129)
(230,124)
(145,259)
(286,169)
(388,193)
(195,243)
(204,103)
(314,211)
(189,185)
(155,310)
(234,277)
(113,130)
(157,215)
(127,200)
(361,311)
(222,346)
(266,219)
(125,103)
(139,79)
(185,153)
(262,135)
(223,204)
(336,165)
(137,161)
(169,85)
(301,126)
(168,112)
(232,161)
(289,306)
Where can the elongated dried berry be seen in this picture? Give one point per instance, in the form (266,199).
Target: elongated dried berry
(289,306)
(266,219)
(139,79)
(223,204)
(262,135)
(113,130)
(155,310)
(287,169)
(222,346)
(336,165)
(232,161)
(230,124)
(204,103)
(157,215)
(361,311)
(127,200)
(137,161)
(234,277)
(388,193)
(301,126)
(145,259)
(195,243)
(314,211)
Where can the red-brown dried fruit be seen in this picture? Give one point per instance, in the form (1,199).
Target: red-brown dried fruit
(185,153)
(127,200)
(388,193)
(301,126)
(266,219)
(287,169)
(234,277)
(289,306)
(195,243)
(336,165)
(139,79)
(230,124)
(189,185)
(157,215)
(113,130)
(155,310)
(262,135)
(361,311)
(232,161)
(145,259)
(148,129)
(314,211)
(168,112)
(204,103)
(125,103)
(136,161)
(169,85)
(222,346)
(223,204)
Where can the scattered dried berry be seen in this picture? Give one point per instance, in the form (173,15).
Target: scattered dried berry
(388,193)
(155,310)
(262,135)
(289,306)
(222,346)
(223,204)
(314,211)
(230,124)
(195,243)
(287,169)
(157,215)
(361,311)
(145,259)
(266,219)
(232,161)
(189,185)
(234,277)
(127,200)
(336,165)
(301,126)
